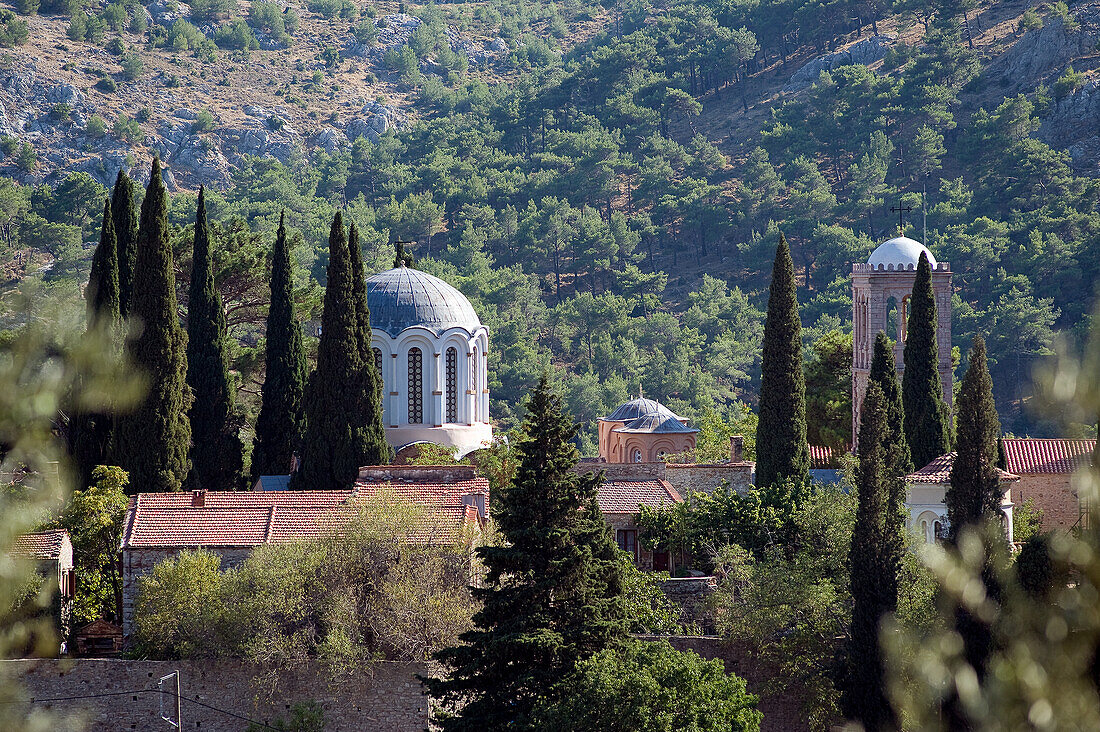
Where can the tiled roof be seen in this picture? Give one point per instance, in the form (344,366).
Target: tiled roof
(243,519)
(823,457)
(1027,455)
(625,496)
(40,544)
(938,472)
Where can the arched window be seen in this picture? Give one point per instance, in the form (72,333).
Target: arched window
(924,530)
(416,386)
(893,319)
(937,531)
(661,454)
(377,360)
(904,316)
(637,456)
(452,385)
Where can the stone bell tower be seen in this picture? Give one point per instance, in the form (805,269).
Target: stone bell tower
(883,284)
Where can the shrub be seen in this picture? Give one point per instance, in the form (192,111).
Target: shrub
(26,7)
(106,85)
(365,32)
(97,127)
(132,65)
(78,26)
(13,30)
(9,146)
(1030,20)
(268,17)
(236,35)
(128,129)
(210,9)
(204,122)
(1067,83)
(95,29)
(115,46)
(144,114)
(27,158)
(275,122)
(61,112)
(334,9)
(329,56)
(138,23)
(114,15)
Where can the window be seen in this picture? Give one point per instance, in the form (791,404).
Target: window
(637,456)
(937,531)
(416,386)
(452,385)
(661,454)
(377,361)
(628,541)
(924,529)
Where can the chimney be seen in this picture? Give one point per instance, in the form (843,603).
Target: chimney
(198,499)
(479,501)
(737,449)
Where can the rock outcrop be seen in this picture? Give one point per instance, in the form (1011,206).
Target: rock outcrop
(865,52)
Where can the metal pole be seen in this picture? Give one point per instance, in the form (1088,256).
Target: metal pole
(179,718)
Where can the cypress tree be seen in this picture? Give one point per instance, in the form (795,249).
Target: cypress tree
(870,564)
(370,429)
(781,449)
(152,441)
(899,462)
(126,229)
(975,494)
(331,450)
(552,591)
(90,434)
(280,424)
(926,418)
(215,442)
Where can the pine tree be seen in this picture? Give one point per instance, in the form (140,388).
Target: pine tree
(926,418)
(401,258)
(90,434)
(974,496)
(552,591)
(781,449)
(370,428)
(331,450)
(899,462)
(126,230)
(152,441)
(215,441)
(280,424)
(870,565)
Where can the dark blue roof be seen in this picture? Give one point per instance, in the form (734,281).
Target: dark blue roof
(403,297)
(657,424)
(639,407)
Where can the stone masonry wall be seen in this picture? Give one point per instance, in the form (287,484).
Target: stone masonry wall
(1054,494)
(691,478)
(386,697)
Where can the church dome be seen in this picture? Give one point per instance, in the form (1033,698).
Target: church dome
(640,407)
(657,423)
(403,298)
(900,253)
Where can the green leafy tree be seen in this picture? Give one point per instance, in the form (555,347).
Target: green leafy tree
(781,449)
(873,571)
(280,424)
(370,429)
(652,686)
(331,450)
(90,433)
(126,229)
(926,418)
(829,391)
(215,442)
(552,590)
(152,441)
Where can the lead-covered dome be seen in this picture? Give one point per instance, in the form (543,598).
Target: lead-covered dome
(640,407)
(900,253)
(402,298)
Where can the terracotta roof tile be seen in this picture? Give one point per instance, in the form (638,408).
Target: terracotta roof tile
(1029,455)
(625,496)
(40,544)
(938,472)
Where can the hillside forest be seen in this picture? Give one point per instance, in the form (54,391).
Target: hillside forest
(611,193)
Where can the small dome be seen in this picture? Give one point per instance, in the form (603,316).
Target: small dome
(639,407)
(901,253)
(656,423)
(402,298)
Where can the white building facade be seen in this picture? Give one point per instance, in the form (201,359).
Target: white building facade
(432,352)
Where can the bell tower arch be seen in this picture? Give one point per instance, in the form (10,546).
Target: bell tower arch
(883,283)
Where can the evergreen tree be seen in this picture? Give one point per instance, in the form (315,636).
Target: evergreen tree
(331,450)
(89,434)
(899,462)
(152,441)
(781,449)
(126,231)
(215,441)
(400,256)
(870,566)
(370,429)
(975,494)
(552,591)
(280,424)
(926,418)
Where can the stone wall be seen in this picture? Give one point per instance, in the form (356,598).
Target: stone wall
(688,478)
(1052,493)
(385,697)
(780,708)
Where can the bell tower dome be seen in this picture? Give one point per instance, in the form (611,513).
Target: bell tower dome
(881,291)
